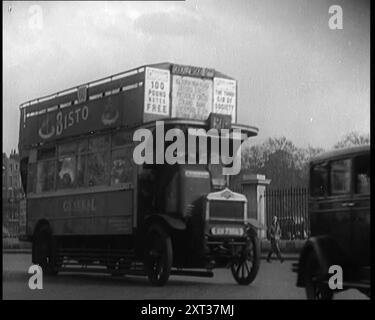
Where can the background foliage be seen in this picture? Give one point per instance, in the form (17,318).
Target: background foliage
(286,164)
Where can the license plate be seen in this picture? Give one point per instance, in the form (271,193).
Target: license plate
(227,231)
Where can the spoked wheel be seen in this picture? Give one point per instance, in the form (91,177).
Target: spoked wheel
(158,255)
(246,265)
(315,289)
(44,251)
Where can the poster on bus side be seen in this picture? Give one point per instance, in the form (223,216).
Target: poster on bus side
(225,97)
(157,92)
(191,97)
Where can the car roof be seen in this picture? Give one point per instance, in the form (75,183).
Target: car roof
(338,153)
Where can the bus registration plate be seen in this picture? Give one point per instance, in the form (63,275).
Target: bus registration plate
(227,231)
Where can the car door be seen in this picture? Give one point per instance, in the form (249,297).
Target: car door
(360,206)
(338,209)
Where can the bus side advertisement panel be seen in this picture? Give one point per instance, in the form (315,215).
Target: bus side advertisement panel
(101,213)
(73,120)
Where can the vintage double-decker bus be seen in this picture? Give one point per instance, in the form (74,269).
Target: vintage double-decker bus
(91,207)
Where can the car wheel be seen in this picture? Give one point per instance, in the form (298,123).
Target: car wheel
(316,289)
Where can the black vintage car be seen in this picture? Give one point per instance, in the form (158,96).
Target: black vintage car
(339,209)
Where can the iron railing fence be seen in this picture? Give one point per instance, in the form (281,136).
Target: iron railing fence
(290,206)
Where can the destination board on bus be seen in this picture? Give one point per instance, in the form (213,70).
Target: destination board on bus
(192,71)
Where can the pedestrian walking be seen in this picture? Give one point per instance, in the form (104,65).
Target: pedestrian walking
(274,235)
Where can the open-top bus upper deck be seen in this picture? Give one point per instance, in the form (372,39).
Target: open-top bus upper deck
(130,99)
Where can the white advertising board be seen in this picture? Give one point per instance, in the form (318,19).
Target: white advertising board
(157,85)
(225,97)
(191,97)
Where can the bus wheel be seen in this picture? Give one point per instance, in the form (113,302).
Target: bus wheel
(43,251)
(245,265)
(158,255)
(315,289)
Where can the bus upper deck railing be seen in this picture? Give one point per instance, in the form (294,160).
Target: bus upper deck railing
(93,87)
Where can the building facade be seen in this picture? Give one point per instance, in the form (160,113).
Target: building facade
(12,192)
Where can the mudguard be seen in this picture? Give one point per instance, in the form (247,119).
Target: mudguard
(172,222)
(327,251)
(255,224)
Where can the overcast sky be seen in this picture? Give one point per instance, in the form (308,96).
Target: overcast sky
(296,76)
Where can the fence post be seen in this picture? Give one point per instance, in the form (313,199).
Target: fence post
(254,186)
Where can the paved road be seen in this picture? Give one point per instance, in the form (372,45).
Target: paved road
(274,281)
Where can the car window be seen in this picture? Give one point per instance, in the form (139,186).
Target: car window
(340,177)
(318,180)
(362,174)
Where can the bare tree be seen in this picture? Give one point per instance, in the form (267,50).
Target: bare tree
(353,138)
(280,160)
(284,163)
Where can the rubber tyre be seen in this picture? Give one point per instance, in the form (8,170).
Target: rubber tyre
(44,251)
(245,268)
(158,255)
(315,290)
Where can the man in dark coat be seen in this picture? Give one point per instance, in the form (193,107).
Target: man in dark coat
(275,234)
